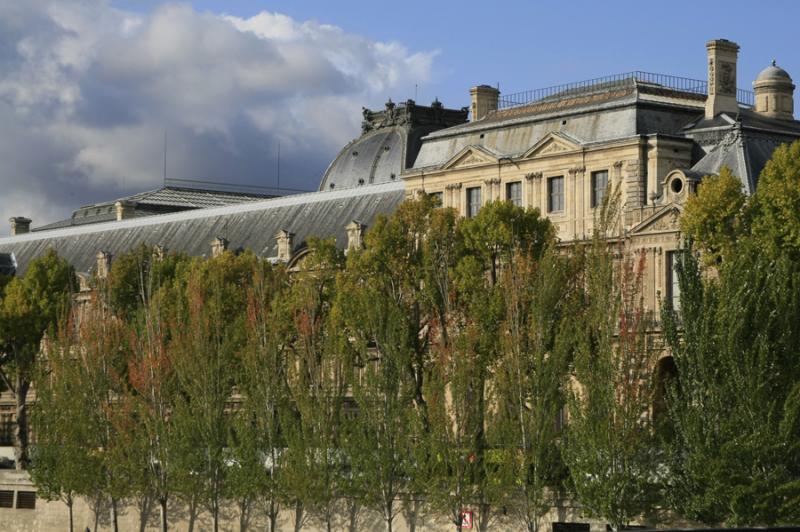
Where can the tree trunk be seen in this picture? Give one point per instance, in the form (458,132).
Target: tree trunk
(244,513)
(353,515)
(71,523)
(144,513)
(162,501)
(298,516)
(21,425)
(272,514)
(114,519)
(388,514)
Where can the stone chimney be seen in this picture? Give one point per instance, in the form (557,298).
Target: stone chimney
(218,246)
(20,225)
(355,235)
(722,55)
(285,244)
(484,99)
(125,209)
(103,264)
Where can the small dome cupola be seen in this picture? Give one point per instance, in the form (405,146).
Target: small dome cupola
(774,93)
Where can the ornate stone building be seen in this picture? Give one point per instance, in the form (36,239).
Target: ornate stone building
(557,149)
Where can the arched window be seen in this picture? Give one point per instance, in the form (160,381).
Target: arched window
(666,376)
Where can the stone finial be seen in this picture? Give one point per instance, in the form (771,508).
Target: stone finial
(125,209)
(722,58)
(285,244)
(218,246)
(484,99)
(355,235)
(103,264)
(20,225)
(159,252)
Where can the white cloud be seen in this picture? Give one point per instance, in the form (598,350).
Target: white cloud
(87,91)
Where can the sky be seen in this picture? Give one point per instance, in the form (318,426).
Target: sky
(89,89)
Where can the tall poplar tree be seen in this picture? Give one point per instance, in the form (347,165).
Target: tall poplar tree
(30,307)
(610,447)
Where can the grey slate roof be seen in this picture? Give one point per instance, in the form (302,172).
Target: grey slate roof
(158,201)
(389,143)
(743,143)
(618,112)
(251,225)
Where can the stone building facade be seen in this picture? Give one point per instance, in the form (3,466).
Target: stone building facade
(558,149)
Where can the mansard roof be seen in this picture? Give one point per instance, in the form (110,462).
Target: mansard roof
(602,112)
(389,143)
(252,225)
(744,143)
(159,201)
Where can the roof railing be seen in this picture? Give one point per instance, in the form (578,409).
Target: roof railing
(570,90)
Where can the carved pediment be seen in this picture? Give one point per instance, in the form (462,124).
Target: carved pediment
(665,220)
(552,144)
(471,156)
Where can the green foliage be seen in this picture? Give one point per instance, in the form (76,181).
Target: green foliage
(734,454)
(609,447)
(776,203)
(30,308)
(137,275)
(733,448)
(714,217)
(530,380)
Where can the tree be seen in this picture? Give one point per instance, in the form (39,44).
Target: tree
(265,396)
(714,217)
(208,331)
(388,311)
(317,381)
(101,358)
(30,308)
(733,410)
(530,379)
(734,454)
(62,464)
(609,445)
(776,203)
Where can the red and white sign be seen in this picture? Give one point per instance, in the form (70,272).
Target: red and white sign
(466,519)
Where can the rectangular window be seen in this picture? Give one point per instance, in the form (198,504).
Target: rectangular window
(438,197)
(514,193)
(26,500)
(6,499)
(673,284)
(599,186)
(473,201)
(555,194)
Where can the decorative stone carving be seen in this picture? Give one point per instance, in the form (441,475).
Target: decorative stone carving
(285,244)
(355,235)
(492,181)
(533,175)
(553,147)
(577,170)
(453,186)
(469,159)
(103,264)
(218,246)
